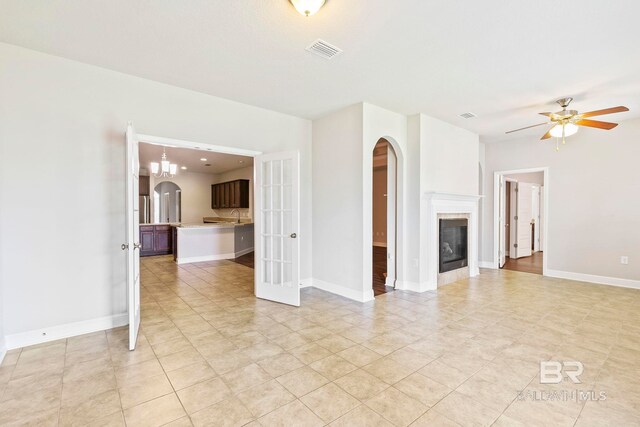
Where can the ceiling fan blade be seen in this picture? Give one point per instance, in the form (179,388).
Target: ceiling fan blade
(596,124)
(546,114)
(528,127)
(612,110)
(547,135)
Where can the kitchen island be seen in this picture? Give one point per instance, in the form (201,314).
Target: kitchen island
(210,242)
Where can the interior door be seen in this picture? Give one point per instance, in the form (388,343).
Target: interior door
(523,219)
(133,231)
(502,222)
(277,271)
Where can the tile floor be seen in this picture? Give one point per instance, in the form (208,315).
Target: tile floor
(209,353)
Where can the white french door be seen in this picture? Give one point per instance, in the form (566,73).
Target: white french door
(132,246)
(502,222)
(277,249)
(523,219)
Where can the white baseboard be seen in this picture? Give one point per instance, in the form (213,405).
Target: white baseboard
(306,283)
(354,294)
(592,278)
(243,252)
(487,264)
(380,244)
(406,285)
(53,333)
(218,257)
(3,350)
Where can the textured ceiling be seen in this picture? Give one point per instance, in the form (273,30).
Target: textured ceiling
(504,60)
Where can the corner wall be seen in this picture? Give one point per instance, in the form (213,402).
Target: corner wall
(594,209)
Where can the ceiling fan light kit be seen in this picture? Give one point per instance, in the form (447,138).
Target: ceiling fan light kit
(307,7)
(565,123)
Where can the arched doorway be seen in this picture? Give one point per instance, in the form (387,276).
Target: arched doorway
(384,213)
(167,200)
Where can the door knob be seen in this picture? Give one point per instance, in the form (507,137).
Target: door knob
(124,246)
(137,246)
(293,235)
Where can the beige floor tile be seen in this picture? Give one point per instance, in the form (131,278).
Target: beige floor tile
(309,353)
(280,364)
(155,412)
(113,420)
(465,411)
(230,412)
(433,419)
(335,343)
(361,384)
(170,347)
(190,375)
(203,394)
(97,407)
(144,390)
(302,381)
(264,398)
(332,367)
(294,414)
(180,359)
(76,392)
(444,374)
(388,370)
(362,416)
(423,389)
(396,406)
(136,372)
(180,422)
(229,361)
(329,402)
(246,377)
(359,355)
(262,350)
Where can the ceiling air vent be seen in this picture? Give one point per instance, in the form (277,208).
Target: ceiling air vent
(467,115)
(323,49)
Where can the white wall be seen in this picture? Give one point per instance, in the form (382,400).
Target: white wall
(242,173)
(196,194)
(593,186)
(337,199)
(449,158)
(63,121)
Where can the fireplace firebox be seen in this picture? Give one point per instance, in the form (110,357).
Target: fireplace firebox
(453,244)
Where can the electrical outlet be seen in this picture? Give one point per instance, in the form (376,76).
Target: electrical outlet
(624,260)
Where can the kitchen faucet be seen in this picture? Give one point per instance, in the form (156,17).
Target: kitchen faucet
(236,210)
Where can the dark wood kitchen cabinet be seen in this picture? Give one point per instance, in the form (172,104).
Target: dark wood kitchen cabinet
(156,239)
(232,194)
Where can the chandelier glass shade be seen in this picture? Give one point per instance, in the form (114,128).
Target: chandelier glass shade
(164,169)
(569,129)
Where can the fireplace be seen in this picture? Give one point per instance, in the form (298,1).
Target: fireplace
(453,244)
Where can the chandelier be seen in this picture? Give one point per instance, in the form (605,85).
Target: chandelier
(164,169)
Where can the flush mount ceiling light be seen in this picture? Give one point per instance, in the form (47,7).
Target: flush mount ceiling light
(184,168)
(307,7)
(164,169)
(203,159)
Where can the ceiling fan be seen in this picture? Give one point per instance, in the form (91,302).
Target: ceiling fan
(566,122)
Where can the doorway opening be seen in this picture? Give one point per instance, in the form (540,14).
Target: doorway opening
(521,218)
(384,213)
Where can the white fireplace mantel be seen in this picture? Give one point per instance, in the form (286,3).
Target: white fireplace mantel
(432,205)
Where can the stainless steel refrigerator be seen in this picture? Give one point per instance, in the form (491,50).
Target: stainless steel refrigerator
(145,209)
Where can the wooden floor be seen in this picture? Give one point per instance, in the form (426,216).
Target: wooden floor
(247,260)
(530,264)
(379,269)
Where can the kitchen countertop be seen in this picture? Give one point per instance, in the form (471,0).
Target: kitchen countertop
(215,225)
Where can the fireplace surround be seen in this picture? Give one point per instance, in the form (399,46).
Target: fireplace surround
(453,243)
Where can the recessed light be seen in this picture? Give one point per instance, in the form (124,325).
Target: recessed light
(203,159)
(240,161)
(184,168)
